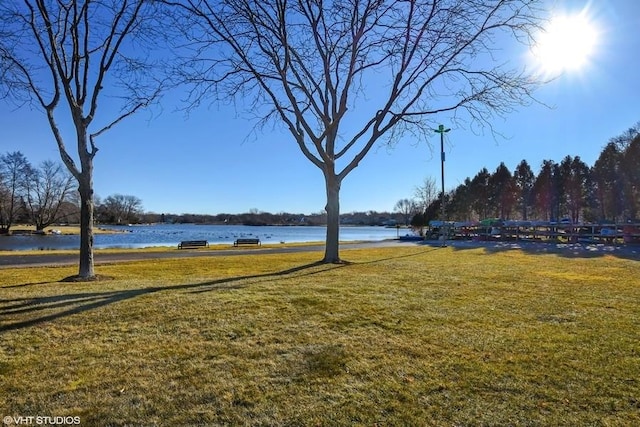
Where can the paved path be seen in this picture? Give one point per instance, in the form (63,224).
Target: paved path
(45,259)
(569,250)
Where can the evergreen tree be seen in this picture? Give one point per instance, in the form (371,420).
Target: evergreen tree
(524,178)
(630,169)
(543,191)
(608,183)
(574,176)
(480,193)
(502,195)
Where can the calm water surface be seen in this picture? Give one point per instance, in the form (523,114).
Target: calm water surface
(139,236)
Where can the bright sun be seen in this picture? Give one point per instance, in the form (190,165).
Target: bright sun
(567,44)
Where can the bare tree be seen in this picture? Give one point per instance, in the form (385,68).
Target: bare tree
(61,57)
(121,209)
(13,168)
(426,193)
(47,190)
(407,208)
(342,75)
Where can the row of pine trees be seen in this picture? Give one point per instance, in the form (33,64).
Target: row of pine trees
(607,191)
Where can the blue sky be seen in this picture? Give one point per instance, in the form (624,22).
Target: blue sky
(211,162)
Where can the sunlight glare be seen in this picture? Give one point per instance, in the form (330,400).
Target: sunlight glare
(568,43)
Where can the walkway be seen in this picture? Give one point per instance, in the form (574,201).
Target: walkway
(565,249)
(52,259)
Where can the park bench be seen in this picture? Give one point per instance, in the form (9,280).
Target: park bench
(193,244)
(239,242)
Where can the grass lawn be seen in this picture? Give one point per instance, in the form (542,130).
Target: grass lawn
(400,336)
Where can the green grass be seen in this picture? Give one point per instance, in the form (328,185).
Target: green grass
(402,336)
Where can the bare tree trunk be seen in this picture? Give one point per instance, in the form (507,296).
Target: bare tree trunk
(86,270)
(332,246)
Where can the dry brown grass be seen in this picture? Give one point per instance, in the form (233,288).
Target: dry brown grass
(401,336)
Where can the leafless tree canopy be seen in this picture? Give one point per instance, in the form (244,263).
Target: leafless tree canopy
(47,190)
(426,193)
(65,53)
(340,74)
(119,209)
(13,168)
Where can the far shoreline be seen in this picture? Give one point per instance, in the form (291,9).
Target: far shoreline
(54,230)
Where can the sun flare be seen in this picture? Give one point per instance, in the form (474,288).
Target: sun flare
(567,44)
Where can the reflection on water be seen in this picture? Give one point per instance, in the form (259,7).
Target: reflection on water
(138,236)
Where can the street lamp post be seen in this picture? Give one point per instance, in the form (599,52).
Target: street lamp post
(441,130)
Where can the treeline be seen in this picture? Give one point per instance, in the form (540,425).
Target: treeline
(607,191)
(255,217)
(249,218)
(47,194)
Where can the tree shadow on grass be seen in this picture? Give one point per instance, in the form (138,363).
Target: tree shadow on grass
(209,286)
(22,285)
(411,255)
(566,250)
(49,308)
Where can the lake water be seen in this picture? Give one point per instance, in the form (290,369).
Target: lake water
(139,236)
